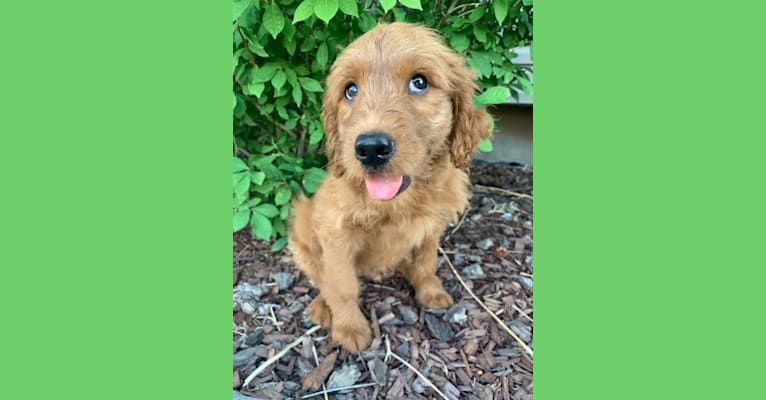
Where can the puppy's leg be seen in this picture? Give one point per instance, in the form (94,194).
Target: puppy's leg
(340,291)
(421,272)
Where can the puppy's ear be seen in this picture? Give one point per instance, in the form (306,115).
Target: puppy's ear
(330,117)
(470,123)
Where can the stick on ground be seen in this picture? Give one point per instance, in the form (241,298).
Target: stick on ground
(484,306)
(279,355)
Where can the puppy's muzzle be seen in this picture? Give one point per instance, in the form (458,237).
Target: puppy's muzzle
(374,149)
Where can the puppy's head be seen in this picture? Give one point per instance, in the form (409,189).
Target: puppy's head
(397,98)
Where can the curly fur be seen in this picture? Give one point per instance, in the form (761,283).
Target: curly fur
(342,234)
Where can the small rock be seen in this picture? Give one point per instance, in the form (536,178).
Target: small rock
(485,244)
(473,271)
(242,357)
(522,330)
(418,387)
(408,314)
(291,387)
(473,258)
(440,329)
(346,376)
(507,216)
(526,282)
(304,366)
(284,280)
(507,230)
(458,260)
(528,260)
(296,307)
(456,314)
(403,350)
(378,371)
(239,396)
(248,307)
(475,217)
(255,337)
(306,322)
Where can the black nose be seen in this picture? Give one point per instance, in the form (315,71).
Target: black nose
(375,148)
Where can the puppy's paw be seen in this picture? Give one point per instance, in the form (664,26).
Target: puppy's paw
(320,312)
(353,336)
(434,298)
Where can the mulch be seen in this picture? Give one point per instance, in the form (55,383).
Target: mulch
(463,351)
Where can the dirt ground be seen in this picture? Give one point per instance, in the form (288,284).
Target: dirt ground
(463,351)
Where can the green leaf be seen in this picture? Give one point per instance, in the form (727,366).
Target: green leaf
(283,196)
(460,42)
(527,2)
(312,179)
(481,61)
(279,80)
(348,7)
(414,4)
(480,33)
(284,211)
(239,8)
(273,20)
(485,145)
(263,73)
(257,177)
(297,95)
(241,183)
(267,210)
(476,14)
(316,136)
(279,244)
(255,88)
(322,54)
(501,10)
(525,85)
(387,4)
(311,85)
(304,11)
(261,226)
(241,216)
(239,165)
(325,9)
(493,95)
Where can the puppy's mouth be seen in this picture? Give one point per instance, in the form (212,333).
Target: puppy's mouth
(386,187)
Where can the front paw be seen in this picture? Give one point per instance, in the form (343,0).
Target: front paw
(434,298)
(320,312)
(354,335)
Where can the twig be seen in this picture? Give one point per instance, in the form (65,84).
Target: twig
(485,189)
(274,317)
(316,361)
(279,355)
(522,313)
(247,48)
(415,370)
(481,303)
(459,223)
(361,385)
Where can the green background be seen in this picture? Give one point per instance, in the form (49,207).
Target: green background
(115,157)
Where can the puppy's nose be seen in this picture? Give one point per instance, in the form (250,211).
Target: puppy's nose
(374,149)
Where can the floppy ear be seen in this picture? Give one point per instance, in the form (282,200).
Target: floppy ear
(330,117)
(470,124)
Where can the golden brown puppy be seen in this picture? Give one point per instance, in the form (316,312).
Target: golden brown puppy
(400,126)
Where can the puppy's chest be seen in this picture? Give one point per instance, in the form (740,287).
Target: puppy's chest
(387,245)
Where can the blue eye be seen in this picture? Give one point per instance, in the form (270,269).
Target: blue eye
(418,84)
(351,91)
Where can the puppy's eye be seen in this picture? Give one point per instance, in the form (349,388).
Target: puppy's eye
(418,84)
(351,91)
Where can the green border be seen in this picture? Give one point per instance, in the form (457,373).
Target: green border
(116,160)
(649,216)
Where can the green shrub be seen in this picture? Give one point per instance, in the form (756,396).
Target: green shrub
(282,51)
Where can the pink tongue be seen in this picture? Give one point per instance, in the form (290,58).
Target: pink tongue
(383,187)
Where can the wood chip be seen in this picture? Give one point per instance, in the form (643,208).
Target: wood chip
(317,376)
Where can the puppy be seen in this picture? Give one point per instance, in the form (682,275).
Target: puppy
(400,128)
